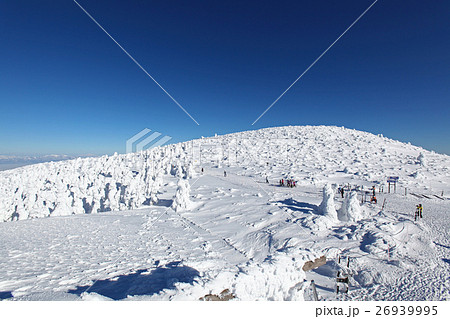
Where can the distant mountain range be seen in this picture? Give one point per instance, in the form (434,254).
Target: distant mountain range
(9,159)
(14,161)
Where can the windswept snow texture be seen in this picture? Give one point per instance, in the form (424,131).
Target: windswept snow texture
(153,226)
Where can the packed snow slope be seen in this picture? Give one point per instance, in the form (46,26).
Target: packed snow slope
(183,221)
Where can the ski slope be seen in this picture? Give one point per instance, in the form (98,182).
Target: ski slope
(124,227)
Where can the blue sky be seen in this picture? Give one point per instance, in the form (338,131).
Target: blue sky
(66,88)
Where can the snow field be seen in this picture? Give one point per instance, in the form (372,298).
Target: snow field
(151,226)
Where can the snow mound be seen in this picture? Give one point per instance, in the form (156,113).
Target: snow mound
(377,243)
(92,296)
(278,278)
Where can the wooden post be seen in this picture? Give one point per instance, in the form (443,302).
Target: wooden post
(313,285)
(389,187)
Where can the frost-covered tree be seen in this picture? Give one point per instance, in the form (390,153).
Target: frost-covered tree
(350,210)
(179,170)
(327,207)
(182,201)
(190,171)
(422,161)
(154,198)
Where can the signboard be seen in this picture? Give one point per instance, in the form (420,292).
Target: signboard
(392,179)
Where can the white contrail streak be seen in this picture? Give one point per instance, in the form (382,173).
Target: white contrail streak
(136,62)
(315,61)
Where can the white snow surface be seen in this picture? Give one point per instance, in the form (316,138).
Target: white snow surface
(152,226)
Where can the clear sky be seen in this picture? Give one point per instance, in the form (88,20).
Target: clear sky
(66,88)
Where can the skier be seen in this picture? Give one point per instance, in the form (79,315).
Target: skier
(342,192)
(202,170)
(224,173)
(267,180)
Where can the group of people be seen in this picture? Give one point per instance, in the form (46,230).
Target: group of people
(287,182)
(373,199)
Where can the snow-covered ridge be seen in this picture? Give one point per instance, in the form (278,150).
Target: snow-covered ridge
(309,154)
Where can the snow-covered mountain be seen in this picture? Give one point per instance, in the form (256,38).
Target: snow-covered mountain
(309,154)
(209,219)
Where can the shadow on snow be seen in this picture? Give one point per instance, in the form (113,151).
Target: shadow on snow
(294,205)
(142,282)
(5,295)
(444,246)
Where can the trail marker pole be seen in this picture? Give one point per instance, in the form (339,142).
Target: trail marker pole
(314,290)
(343,276)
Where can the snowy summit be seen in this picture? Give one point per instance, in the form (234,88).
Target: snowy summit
(253,215)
